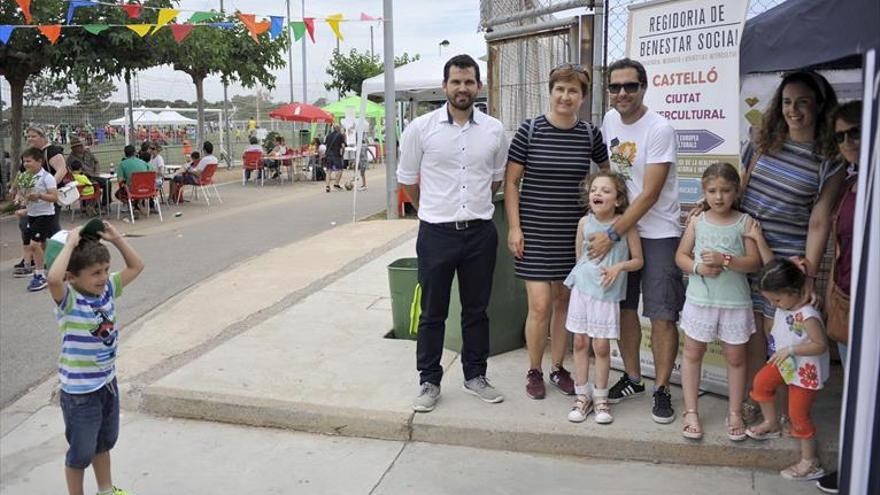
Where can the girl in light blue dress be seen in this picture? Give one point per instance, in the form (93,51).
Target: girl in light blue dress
(597,288)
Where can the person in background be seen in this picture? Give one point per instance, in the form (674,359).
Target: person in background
(87,187)
(335,143)
(91,168)
(127,167)
(41,213)
(53,162)
(253,146)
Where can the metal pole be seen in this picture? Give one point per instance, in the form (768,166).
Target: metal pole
(129,136)
(305,82)
(290,72)
(372,51)
(5,173)
(390,113)
(225,117)
(598,39)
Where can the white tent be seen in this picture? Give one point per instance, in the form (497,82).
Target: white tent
(170,117)
(141,117)
(421,80)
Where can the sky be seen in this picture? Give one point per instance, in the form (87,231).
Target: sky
(416,30)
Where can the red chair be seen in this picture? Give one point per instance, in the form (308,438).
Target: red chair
(288,164)
(142,186)
(205,179)
(95,196)
(252,160)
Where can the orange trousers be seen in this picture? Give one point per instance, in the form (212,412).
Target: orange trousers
(800,400)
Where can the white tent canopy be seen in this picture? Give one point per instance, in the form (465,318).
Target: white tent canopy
(140,116)
(421,80)
(170,117)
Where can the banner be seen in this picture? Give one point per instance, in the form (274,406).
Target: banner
(690,49)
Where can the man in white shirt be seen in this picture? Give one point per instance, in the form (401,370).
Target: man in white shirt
(642,148)
(451,164)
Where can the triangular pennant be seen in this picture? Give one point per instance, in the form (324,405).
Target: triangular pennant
(25,6)
(333,21)
(365,17)
(95,28)
(249,22)
(310,27)
(5,33)
(51,31)
(276,26)
(180,31)
(165,16)
(140,29)
(261,27)
(75,4)
(202,17)
(299,30)
(132,9)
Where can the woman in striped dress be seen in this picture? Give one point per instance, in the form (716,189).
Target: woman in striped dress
(551,154)
(790,187)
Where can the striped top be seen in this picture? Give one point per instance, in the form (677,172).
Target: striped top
(782,191)
(556,161)
(88,361)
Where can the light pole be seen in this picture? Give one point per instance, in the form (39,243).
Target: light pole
(440,46)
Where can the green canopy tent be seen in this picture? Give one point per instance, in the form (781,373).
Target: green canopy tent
(373,110)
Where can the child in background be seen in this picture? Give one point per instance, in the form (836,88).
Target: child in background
(86,314)
(87,187)
(799,360)
(715,252)
(41,197)
(596,291)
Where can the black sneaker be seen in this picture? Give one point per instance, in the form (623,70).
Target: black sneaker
(20,264)
(662,411)
(624,389)
(827,483)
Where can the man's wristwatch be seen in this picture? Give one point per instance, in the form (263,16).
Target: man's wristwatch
(612,234)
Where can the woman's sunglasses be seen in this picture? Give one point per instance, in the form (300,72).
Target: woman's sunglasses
(568,66)
(630,88)
(853,133)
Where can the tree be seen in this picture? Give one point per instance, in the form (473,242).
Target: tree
(95,93)
(230,53)
(44,88)
(348,72)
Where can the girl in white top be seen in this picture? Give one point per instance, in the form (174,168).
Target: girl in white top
(716,254)
(799,360)
(596,291)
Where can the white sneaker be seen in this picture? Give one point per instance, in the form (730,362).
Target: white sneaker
(362,188)
(603,412)
(582,408)
(481,387)
(427,398)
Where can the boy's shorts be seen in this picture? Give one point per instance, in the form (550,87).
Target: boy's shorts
(91,424)
(40,229)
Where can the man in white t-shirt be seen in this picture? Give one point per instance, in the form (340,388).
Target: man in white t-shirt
(642,147)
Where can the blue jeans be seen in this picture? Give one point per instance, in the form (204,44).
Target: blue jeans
(91,424)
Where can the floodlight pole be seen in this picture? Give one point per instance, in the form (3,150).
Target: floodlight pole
(225,117)
(305,86)
(390,113)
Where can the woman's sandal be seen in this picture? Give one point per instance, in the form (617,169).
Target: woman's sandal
(804,470)
(755,434)
(736,430)
(693,431)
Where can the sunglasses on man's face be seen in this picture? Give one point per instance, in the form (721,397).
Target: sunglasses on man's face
(853,133)
(630,88)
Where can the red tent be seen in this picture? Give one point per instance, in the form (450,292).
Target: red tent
(299,112)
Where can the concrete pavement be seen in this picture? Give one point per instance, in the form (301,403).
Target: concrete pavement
(287,341)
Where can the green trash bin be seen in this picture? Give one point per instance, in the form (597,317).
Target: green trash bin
(402,280)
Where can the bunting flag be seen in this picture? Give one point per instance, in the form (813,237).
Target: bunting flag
(277,25)
(96,28)
(5,33)
(140,29)
(25,6)
(165,16)
(180,31)
(202,17)
(310,27)
(132,9)
(253,27)
(333,21)
(51,31)
(367,18)
(75,4)
(299,30)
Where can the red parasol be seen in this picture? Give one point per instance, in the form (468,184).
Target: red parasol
(299,112)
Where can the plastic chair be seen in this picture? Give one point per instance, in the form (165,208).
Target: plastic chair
(95,196)
(205,179)
(288,164)
(252,160)
(143,186)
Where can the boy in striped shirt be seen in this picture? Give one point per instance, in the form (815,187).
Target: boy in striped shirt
(86,314)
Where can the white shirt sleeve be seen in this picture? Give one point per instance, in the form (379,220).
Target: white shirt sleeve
(410,155)
(500,158)
(662,145)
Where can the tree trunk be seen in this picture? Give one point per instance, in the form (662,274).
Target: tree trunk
(16,86)
(200,104)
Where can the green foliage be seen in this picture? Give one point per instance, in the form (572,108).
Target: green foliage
(95,93)
(44,88)
(348,72)
(24,182)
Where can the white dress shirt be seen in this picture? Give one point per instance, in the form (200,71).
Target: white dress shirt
(454,165)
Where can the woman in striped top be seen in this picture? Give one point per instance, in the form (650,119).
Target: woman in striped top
(789,186)
(551,154)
